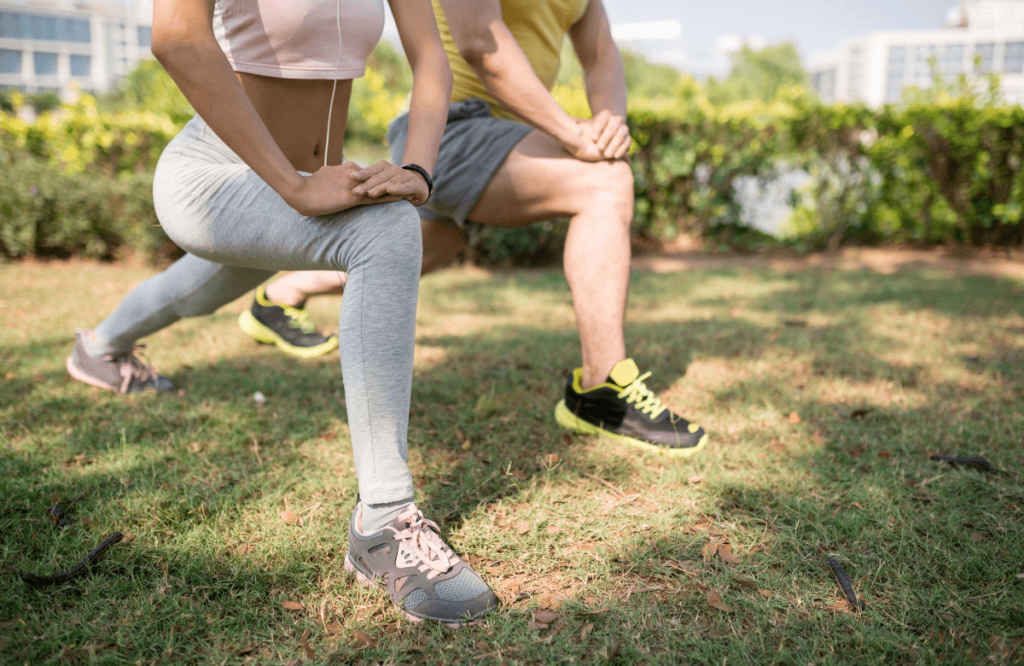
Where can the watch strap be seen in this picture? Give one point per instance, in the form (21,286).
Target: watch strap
(423,172)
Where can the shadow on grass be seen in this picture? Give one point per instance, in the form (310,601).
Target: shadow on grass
(923,542)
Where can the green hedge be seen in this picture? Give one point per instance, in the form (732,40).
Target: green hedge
(46,212)
(947,170)
(929,171)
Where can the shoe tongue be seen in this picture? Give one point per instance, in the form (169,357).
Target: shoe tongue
(624,373)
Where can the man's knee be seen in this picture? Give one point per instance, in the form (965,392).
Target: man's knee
(608,187)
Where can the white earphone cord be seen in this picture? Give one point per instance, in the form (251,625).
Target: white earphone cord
(334,88)
(330,110)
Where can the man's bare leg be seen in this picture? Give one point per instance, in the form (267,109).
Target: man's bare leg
(442,240)
(294,288)
(540,181)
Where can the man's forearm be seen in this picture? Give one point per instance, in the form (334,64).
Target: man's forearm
(606,87)
(506,74)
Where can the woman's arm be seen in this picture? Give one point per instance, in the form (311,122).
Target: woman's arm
(432,80)
(428,106)
(184,43)
(488,46)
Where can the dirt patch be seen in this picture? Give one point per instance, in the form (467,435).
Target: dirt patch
(878,260)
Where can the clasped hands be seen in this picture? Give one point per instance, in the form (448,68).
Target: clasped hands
(336,188)
(603,137)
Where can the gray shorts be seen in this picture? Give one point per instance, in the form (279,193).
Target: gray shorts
(474,146)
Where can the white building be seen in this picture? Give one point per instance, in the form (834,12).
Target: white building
(981,36)
(52,44)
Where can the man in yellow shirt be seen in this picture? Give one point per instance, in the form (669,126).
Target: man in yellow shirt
(510,157)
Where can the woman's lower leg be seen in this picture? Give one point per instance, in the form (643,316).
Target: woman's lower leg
(188,288)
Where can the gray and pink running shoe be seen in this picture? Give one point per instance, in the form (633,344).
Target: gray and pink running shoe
(122,374)
(423,576)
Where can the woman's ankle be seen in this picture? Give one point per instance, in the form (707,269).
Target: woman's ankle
(375,517)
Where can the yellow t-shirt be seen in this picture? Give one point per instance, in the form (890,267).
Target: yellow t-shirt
(539,26)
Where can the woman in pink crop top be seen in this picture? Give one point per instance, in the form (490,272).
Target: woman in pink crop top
(253,185)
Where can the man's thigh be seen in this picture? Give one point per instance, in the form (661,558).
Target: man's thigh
(540,181)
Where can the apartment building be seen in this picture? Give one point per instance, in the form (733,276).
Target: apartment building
(981,36)
(55,44)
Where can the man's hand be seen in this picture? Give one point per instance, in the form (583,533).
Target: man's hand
(580,145)
(609,134)
(386,179)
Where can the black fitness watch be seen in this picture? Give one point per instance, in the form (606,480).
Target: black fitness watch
(423,172)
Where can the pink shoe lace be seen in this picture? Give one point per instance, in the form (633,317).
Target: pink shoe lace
(133,366)
(421,546)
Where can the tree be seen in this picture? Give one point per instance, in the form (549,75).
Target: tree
(758,75)
(149,88)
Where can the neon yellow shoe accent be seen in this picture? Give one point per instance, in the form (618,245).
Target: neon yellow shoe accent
(261,333)
(570,421)
(634,391)
(646,401)
(625,372)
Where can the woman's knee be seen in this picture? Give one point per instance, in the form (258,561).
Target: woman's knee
(392,235)
(403,239)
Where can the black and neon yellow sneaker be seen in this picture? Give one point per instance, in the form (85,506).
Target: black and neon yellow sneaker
(624,409)
(290,328)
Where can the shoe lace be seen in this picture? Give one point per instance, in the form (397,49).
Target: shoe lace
(422,541)
(134,366)
(299,318)
(646,401)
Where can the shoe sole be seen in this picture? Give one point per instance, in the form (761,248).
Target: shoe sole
(81,376)
(361,577)
(570,421)
(261,333)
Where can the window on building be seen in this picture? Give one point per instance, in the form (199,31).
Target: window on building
(10,61)
(953,60)
(10,25)
(896,73)
(145,36)
(987,53)
(81,65)
(15,25)
(926,60)
(1014,62)
(45,63)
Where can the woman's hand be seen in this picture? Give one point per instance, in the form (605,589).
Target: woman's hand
(335,188)
(386,179)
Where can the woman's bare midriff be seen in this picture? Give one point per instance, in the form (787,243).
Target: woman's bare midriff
(295,111)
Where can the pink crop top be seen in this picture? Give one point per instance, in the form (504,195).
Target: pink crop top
(298,39)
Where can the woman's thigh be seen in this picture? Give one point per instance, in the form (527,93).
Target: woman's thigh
(215,207)
(230,216)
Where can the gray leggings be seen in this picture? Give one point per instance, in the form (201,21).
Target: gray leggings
(238,232)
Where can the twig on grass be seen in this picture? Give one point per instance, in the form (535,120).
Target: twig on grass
(618,491)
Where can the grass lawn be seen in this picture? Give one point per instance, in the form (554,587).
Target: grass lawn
(823,390)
